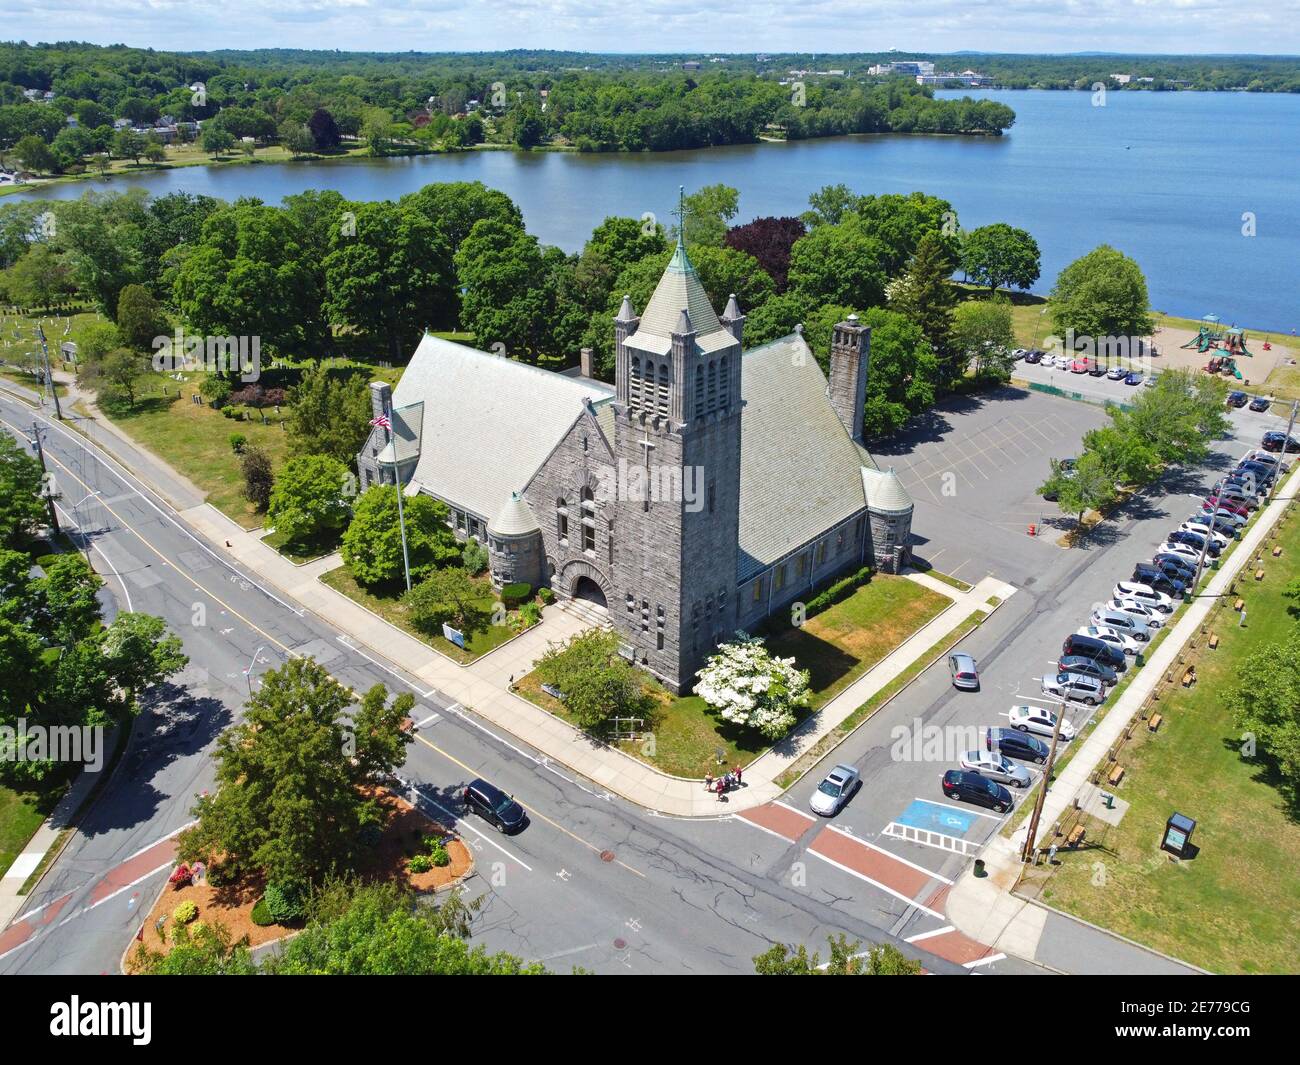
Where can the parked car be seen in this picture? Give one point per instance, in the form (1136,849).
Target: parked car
(1160,579)
(1237,490)
(1121,642)
(1096,369)
(1016,744)
(1224,505)
(1251,484)
(1039,720)
(1144,594)
(1088,667)
(1121,622)
(494,806)
(1133,378)
(1263,472)
(1196,541)
(1080,366)
(1237,399)
(1116,373)
(1150,382)
(1181,566)
(1274,440)
(1218,538)
(833,792)
(1034,356)
(1218,525)
(1260,404)
(972,787)
(964,672)
(1083,643)
(1173,547)
(1074,686)
(1260,455)
(1019,353)
(992,765)
(1149,616)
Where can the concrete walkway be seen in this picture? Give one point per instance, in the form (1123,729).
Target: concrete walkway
(984,908)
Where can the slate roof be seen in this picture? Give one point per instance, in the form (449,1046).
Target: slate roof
(514,518)
(489,422)
(679,291)
(885,492)
(800,472)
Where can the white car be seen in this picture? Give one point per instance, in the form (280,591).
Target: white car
(1150,617)
(1121,641)
(1040,720)
(1201,529)
(992,765)
(1074,686)
(1186,550)
(1116,373)
(833,792)
(1144,594)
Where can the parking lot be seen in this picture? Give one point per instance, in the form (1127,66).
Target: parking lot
(973,465)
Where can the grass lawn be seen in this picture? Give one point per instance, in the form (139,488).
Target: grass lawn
(21,814)
(195,440)
(389,607)
(836,646)
(304,551)
(1235,907)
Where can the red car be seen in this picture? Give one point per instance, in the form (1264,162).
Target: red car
(1230,505)
(1079,366)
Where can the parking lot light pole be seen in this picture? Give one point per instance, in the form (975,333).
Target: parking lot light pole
(1027,855)
(1281,463)
(1205,543)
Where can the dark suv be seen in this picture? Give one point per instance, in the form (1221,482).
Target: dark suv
(494,806)
(1016,744)
(1278,441)
(1099,650)
(971,787)
(1159,578)
(1089,667)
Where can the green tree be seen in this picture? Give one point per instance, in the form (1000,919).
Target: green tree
(900,222)
(208,950)
(258,475)
(1089,486)
(291,798)
(139,318)
(116,375)
(41,279)
(925,294)
(597,682)
(372,544)
(141,652)
(1266,695)
(127,144)
(297,139)
(35,154)
(67,598)
(1129,458)
(377,130)
(982,335)
(310,498)
(381,722)
(1102,294)
(501,269)
(215,141)
(846,959)
(448,596)
(1000,255)
(840,264)
(904,372)
(22,504)
(708,213)
(328,415)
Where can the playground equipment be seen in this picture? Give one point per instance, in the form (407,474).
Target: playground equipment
(1213,337)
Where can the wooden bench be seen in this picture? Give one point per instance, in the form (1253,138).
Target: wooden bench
(1214,640)
(1154,722)
(1189,678)
(1277,551)
(1259,575)
(1075,837)
(1237,606)
(1115,775)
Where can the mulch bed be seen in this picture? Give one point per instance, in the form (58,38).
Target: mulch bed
(232,905)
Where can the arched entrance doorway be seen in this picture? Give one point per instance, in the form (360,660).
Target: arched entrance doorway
(588,591)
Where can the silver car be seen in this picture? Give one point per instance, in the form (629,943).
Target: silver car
(965,673)
(995,767)
(833,792)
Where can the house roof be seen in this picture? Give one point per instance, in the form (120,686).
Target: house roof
(489,422)
(800,472)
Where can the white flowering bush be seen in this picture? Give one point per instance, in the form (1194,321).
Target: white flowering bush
(748,686)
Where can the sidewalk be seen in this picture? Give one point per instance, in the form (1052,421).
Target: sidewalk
(985,908)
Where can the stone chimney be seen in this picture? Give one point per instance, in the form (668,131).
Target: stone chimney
(850,356)
(381,398)
(586,363)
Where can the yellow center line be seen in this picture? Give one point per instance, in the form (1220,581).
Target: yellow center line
(578,839)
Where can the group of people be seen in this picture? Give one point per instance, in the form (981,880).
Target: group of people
(723,784)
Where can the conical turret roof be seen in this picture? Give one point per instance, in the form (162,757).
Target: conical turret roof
(514,518)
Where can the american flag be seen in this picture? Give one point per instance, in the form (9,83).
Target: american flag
(382,422)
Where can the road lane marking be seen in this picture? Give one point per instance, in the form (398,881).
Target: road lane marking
(890,854)
(876,884)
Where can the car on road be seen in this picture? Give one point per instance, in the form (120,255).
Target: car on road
(1218,537)
(1149,616)
(1159,578)
(1260,404)
(833,792)
(1133,378)
(1121,622)
(1039,720)
(1196,541)
(1116,373)
(1120,642)
(992,765)
(1088,666)
(1144,594)
(1275,440)
(494,806)
(1074,687)
(965,673)
(1016,744)
(1238,399)
(972,787)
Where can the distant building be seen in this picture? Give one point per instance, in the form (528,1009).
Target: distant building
(690,64)
(968,78)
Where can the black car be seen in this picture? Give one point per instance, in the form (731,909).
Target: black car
(1096,369)
(494,806)
(1263,473)
(1184,568)
(1016,744)
(1245,483)
(1195,541)
(1089,667)
(1238,399)
(1156,577)
(1259,403)
(1274,440)
(1091,647)
(971,787)
(1034,356)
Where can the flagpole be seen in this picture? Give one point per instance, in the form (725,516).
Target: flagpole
(401,515)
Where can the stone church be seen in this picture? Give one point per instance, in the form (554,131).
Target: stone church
(709,488)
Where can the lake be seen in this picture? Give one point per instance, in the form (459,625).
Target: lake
(1165,177)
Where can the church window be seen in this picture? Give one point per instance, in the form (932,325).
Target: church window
(659,642)
(713,387)
(562,520)
(758,590)
(821,552)
(779,578)
(662,405)
(584,443)
(699,390)
(800,564)
(611,543)
(588,535)
(724,396)
(634,382)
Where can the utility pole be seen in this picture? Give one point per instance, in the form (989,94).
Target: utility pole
(1205,543)
(397,483)
(1027,855)
(49,377)
(45,478)
(1287,440)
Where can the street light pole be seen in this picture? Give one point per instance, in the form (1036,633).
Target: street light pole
(248,673)
(45,478)
(1205,541)
(397,483)
(1027,854)
(49,377)
(1295,403)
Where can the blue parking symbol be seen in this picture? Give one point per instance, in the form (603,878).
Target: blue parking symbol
(936,818)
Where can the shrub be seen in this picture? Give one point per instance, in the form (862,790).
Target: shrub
(439,856)
(262,914)
(475,557)
(750,687)
(514,594)
(546,596)
(259,479)
(421,863)
(833,593)
(185,912)
(531,613)
(237,443)
(284,903)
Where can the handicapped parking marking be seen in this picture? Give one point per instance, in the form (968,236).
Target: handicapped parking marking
(935,817)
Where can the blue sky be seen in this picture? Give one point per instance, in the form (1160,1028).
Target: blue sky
(1188,26)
